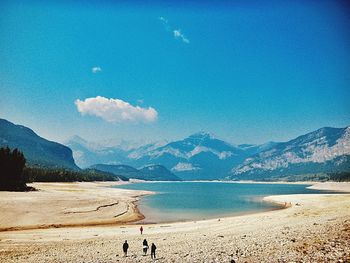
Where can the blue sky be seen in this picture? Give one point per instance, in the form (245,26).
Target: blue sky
(247,71)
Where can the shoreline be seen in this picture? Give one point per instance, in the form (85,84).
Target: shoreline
(322,186)
(133,216)
(278,206)
(341,187)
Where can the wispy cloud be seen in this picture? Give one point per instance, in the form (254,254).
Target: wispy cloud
(179,35)
(96,69)
(164,20)
(115,110)
(176,32)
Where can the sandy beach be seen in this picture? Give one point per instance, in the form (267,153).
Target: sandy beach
(88,222)
(68,204)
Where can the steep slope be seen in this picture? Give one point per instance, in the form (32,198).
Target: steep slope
(37,150)
(252,149)
(324,150)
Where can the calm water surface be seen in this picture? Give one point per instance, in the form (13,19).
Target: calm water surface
(180,201)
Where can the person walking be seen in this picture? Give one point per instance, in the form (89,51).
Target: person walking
(141,229)
(145,247)
(153,251)
(125,248)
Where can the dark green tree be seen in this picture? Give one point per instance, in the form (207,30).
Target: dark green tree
(11,170)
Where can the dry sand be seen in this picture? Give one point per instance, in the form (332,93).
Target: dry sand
(315,228)
(68,204)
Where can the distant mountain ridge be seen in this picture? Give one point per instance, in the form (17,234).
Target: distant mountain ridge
(37,150)
(148,173)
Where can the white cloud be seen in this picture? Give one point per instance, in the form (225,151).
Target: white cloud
(177,32)
(179,35)
(96,70)
(115,110)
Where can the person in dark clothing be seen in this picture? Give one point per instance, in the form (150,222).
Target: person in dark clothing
(145,247)
(141,230)
(125,248)
(153,251)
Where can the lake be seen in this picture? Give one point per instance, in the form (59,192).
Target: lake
(182,201)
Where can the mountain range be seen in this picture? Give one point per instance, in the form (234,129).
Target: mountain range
(201,156)
(323,151)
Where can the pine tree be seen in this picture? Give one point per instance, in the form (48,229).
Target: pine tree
(12,164)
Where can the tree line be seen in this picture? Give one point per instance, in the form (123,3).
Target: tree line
(14,174)
(42,174)
(340,177)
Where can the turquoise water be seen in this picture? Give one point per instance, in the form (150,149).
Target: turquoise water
(181,201)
